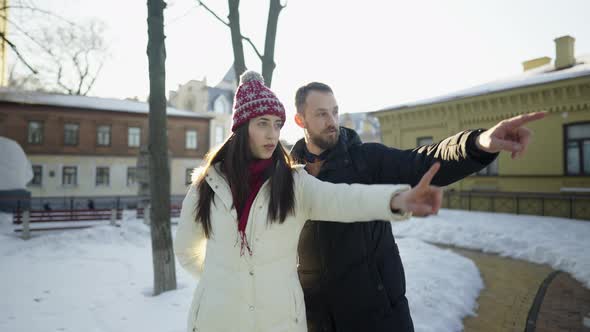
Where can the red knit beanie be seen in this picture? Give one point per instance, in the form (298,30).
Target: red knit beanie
(254,99)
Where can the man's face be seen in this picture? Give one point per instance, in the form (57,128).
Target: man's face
(320,119)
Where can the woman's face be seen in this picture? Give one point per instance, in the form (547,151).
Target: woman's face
(263,135)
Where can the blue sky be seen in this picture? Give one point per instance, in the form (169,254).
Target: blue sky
(373,53)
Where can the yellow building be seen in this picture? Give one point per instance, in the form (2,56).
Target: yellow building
(553,178)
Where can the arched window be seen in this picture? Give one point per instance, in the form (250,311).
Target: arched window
(221,105)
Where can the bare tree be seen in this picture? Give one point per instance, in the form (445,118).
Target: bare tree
(267,59)
(18,7)
(159,169)
(58,55)
(76,54)
(28,82)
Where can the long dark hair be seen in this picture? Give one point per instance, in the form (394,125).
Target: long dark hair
(235,156)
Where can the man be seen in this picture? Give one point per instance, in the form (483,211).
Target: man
(352,274)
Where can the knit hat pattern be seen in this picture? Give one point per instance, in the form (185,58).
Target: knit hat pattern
(254,99)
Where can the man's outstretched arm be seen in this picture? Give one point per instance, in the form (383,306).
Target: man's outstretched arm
(460,155)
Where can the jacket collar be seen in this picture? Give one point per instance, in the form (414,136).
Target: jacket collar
(220,186)
(347,139)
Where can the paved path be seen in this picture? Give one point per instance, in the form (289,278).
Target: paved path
(522,296)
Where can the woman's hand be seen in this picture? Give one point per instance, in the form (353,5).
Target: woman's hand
(423,199)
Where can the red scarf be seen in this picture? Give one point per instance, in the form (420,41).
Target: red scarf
(256,170)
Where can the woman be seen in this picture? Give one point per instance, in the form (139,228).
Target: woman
(245,209)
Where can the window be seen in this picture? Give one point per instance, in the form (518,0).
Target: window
(221,105)
(37,175)
(102,176)
(71,131)
(134,136)
(35,132)
(187,176)
(420,141)
(218,135)
(189,104)
(103,135)
(131,176)
(191,139)
(491,169)
(577,149)
(69,176)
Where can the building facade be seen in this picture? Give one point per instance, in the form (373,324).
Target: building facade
(88,147)
(197,96)
(554,175)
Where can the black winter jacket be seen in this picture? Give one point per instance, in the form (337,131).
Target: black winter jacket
(352,275)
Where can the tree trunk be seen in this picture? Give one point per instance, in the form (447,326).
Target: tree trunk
(159,170)
(236,37)
(268,61)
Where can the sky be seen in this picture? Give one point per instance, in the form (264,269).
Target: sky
(374,54)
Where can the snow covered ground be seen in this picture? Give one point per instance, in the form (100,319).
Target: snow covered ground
(561,243)
(100,279)
(442,287)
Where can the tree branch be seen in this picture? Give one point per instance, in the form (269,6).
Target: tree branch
(24,32)
(91,84)
(268,63)
(200,3)
(42,11)
(81,75)
(33,70)
(254,47)
(227,24)
(59,82)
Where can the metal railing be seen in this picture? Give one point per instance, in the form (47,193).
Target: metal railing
(574,206)
(74,203)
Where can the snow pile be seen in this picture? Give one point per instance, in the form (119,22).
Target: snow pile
(15,168)
(442,287)
(561,243)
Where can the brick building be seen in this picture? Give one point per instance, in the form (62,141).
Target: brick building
(88,147)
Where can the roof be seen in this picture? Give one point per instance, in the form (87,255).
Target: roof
(540,75)
(88,103)
(229,81)
(230,75)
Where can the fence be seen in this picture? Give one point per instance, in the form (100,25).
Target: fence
(74,203)
(38,216)
(575,206)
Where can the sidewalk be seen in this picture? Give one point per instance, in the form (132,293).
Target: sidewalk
(522,296)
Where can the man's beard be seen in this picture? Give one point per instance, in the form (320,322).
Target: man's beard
(324,143)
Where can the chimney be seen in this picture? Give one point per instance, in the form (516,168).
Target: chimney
(564,52)
(535,63)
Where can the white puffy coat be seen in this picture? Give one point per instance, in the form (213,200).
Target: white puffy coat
(262,292)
